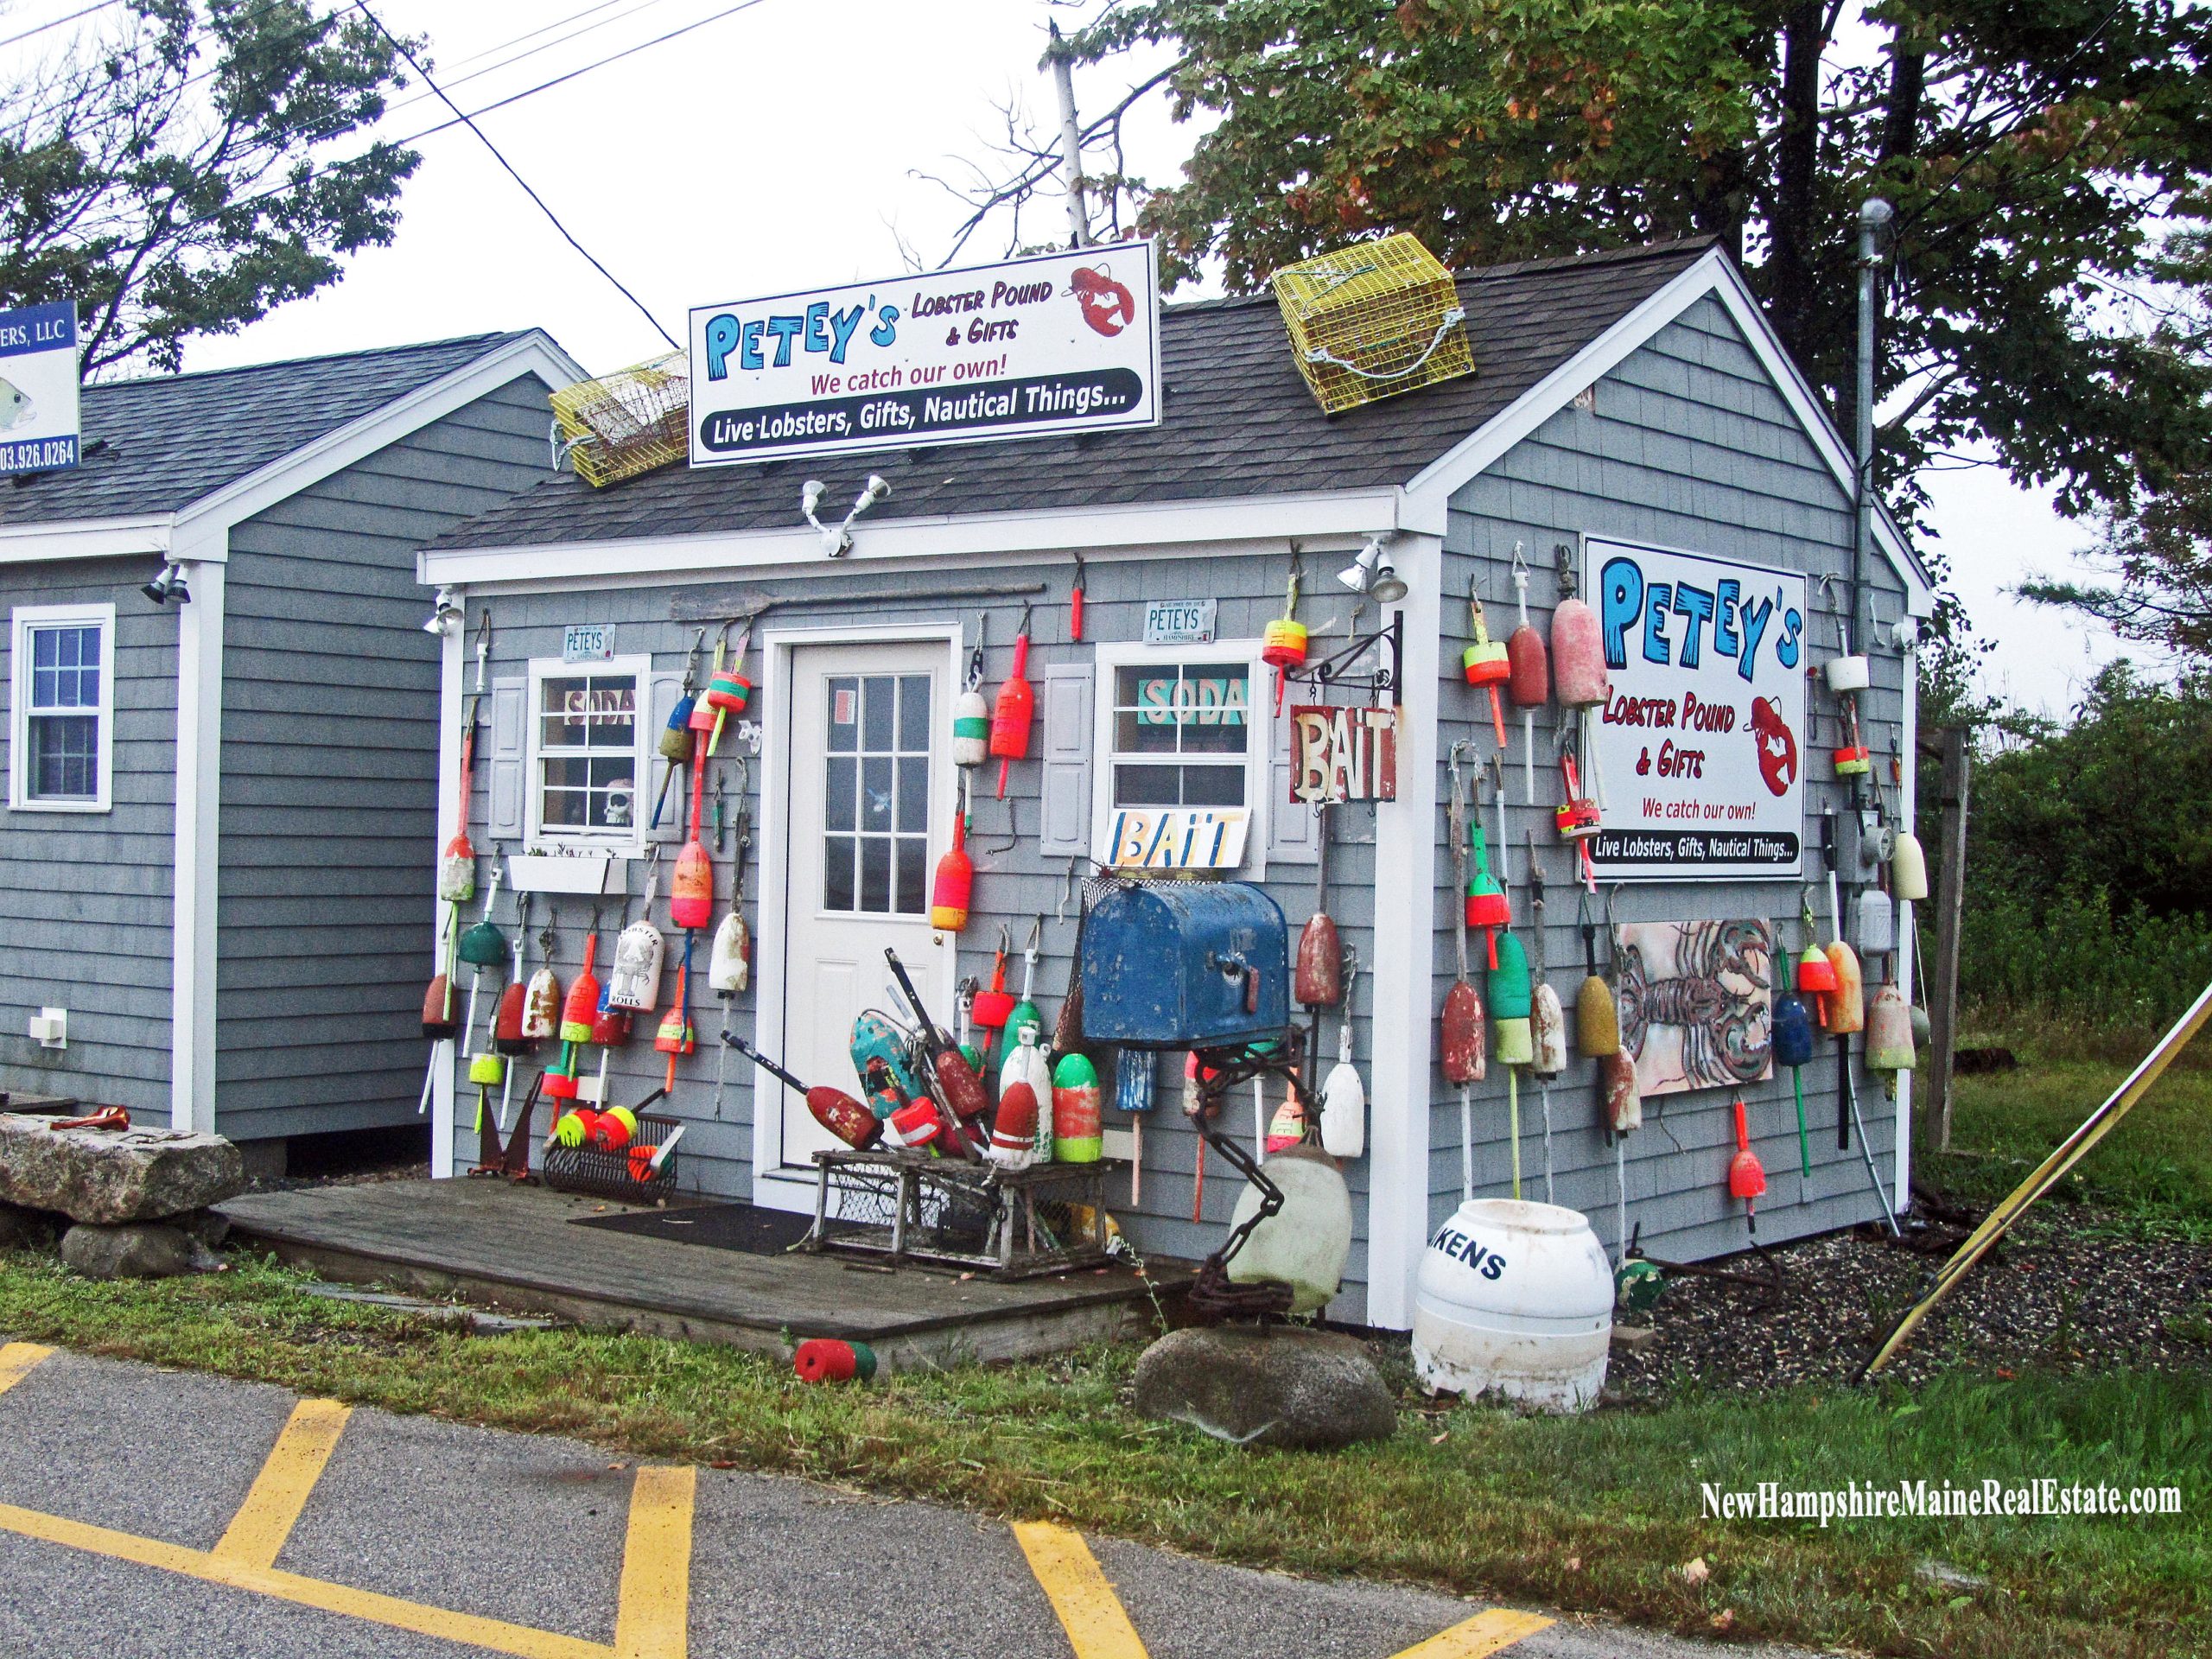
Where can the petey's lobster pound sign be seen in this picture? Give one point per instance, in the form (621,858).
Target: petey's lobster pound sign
(1701,734)
(1066,342)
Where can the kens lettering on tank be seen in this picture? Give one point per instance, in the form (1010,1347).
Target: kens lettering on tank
(1484,1260)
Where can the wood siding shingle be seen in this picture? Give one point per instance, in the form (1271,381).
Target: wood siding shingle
(330,754)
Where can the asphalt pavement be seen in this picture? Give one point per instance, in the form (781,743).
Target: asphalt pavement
(147,1513)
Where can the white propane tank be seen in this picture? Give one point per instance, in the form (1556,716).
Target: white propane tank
(1515,1299)
(1306,1243)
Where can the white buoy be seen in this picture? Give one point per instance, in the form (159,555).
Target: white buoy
(1515,1299)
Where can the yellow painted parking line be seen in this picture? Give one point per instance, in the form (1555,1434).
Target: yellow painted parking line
(1486,1633)
(491,1633)
(16,1361)
(652,1620)
(1089,1610)
(264,1521)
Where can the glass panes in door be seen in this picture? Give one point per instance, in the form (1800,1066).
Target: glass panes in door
(875,794)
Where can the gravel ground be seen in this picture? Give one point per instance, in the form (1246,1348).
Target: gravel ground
(2070,1289)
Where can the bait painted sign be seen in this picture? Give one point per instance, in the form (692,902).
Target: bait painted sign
(1700,744)
(1343,754)
(38,388)
(1064,342)
(1177,837)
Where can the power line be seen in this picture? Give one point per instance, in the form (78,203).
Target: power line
(583,69)
(505,63)
(469,122)
(56,23)
(462,120)
(542,28)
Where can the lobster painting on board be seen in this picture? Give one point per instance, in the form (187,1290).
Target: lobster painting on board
(1697,1003)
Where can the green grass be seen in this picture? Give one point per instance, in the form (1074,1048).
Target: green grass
(2156,1165)
(1597,1513)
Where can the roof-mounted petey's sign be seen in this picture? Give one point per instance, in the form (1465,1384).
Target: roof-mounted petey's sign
(1066,342)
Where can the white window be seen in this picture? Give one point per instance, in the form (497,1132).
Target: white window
(61,734)
(589,742)
(1183,726)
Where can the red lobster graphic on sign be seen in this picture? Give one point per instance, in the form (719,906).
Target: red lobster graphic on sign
(1107,306)
(1778,746)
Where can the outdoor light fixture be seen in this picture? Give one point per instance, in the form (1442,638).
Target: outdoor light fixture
(837,540)
(170,585)
(1374,574)
(447,616)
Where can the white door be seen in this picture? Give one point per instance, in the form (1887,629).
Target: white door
(866,781)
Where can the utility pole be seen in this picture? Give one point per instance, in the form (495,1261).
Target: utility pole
(1071,140)
(1950,916)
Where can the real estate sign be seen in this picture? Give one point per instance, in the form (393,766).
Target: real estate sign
(1701,743)
(1064,342)
(38,388)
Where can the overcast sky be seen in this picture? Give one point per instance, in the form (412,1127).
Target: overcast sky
(778,148)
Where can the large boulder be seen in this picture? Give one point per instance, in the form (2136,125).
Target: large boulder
(135,1250)
(106,1176)
(1278,1385)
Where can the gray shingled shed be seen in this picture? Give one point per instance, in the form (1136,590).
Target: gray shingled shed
(213,802)
(1633,400)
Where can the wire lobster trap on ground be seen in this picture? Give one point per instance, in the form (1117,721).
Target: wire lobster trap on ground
(628,423)
(1012,1223)
(1372,320)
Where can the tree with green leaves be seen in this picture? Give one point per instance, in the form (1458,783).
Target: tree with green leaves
(193,172)
(2158,554)
(2032,153)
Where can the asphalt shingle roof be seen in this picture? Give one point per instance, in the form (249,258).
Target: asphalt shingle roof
(1238,421)
(173,439)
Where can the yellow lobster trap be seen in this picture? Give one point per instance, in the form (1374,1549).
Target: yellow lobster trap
(1372,320)
(627,423)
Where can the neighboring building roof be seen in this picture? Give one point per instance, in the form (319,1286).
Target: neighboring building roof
(1238,421)
(169,441)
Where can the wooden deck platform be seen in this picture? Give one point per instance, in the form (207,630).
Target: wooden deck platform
(512,1247)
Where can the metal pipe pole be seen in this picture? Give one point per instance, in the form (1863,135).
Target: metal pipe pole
(1071,141)
(1874,216)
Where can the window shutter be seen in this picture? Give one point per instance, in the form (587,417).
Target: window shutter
(666,689)
(1067,755)
(510,715)
(1290,823)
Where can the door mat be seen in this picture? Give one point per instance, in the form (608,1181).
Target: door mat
(718,1226)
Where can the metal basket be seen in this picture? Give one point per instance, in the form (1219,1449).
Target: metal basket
(588,1170)
(627,423)
(1372,320)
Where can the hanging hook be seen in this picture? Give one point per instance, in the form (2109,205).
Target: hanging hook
(1535,877)
(1023,630)
(1012,829)
(1067,889)
(1036,936)
(976,657)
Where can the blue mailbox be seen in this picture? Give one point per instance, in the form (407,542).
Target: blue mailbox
(1185,964)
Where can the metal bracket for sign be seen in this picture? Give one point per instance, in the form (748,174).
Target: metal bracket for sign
(1336,669)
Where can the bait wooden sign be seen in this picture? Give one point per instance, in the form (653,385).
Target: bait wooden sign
(1343,754)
